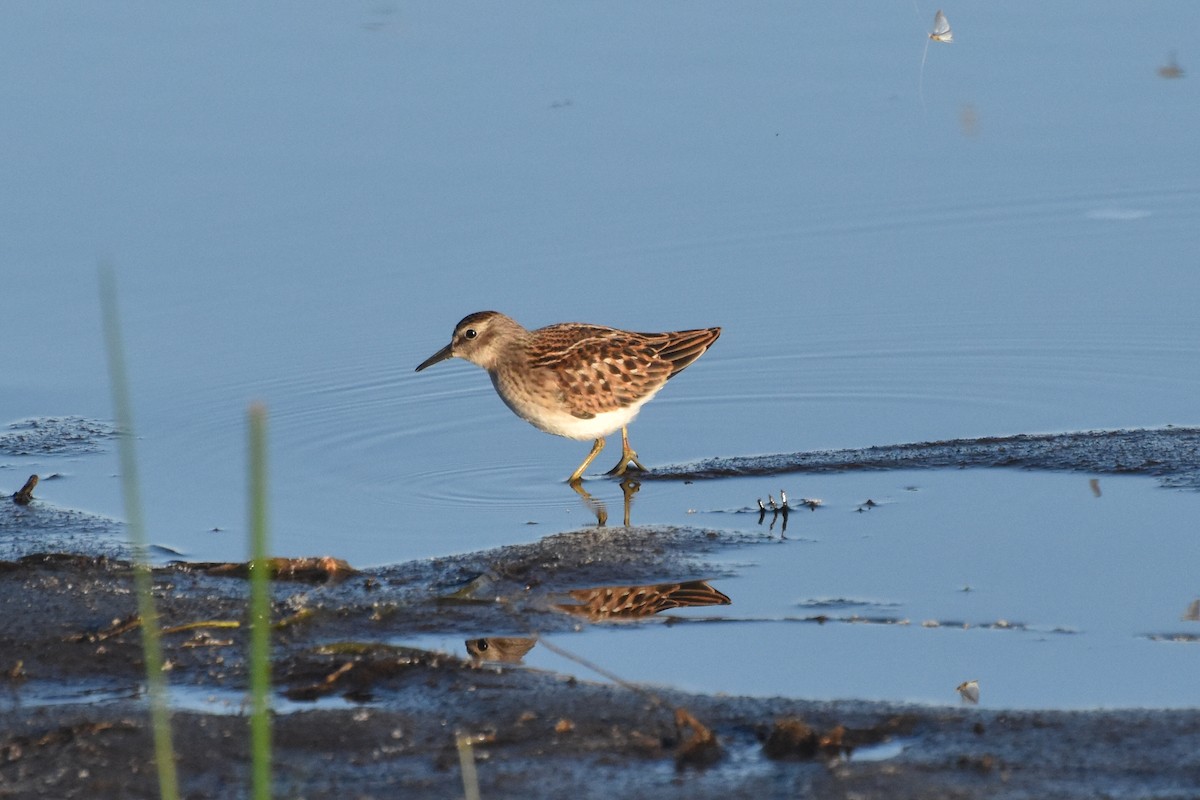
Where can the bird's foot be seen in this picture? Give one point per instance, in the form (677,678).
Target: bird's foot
(629,460)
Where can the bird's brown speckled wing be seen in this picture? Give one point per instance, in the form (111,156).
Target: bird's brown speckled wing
(600,369)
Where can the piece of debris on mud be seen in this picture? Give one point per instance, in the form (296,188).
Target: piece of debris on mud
(698,746)
(300,616)
(134,621)
(205,639)
(315,569)
(202,623)
(321,688)
(983,764)
(116,628)
(24,495)
(778,510)
(791,738)
(15,748)
(355,669)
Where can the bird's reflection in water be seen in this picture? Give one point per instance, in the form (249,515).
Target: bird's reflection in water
(600,604)
(504,649)
(627,602)
(629,487)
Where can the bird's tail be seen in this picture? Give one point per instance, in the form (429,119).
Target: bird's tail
(681,348)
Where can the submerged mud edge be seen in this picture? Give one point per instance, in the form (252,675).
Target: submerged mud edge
(70,637)
(1170,454)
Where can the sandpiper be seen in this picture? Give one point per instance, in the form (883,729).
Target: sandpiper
(572,379)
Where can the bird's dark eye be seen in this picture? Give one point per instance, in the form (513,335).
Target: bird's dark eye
(470,333)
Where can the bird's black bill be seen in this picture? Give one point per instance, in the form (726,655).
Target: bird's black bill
(440,355)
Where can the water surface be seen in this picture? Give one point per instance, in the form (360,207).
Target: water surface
(300,202)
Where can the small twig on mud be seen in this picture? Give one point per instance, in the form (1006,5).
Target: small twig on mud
(25,494)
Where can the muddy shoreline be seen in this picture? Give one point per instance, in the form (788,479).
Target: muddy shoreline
(364,715)
(359,714)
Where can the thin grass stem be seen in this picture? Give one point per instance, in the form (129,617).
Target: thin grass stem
(466,762)
(260,609)
(143,579)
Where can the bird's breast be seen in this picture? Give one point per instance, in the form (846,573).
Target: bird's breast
(541,404)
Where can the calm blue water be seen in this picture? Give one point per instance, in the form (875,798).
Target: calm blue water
(301,200)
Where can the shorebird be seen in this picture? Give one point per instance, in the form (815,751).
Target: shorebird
(572,379)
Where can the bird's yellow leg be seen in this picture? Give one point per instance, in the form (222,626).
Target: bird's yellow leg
(597,446)
(627,456)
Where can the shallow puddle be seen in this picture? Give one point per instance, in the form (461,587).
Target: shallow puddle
(1043,587)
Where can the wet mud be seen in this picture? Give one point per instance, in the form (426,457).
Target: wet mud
(1170,454)
(55,436)
(360,714)
(40,526)
(364,714)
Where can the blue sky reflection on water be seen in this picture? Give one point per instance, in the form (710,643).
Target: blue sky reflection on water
(301,201)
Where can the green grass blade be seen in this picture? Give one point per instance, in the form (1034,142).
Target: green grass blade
(156,682)
(466,762)
(260,609)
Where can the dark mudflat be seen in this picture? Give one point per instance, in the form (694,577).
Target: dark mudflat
(395,710)
(1170,454)
(362,716)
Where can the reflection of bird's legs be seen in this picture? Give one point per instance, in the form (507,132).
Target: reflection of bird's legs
(597,446)
(596,506)
(629,487)
(627,456)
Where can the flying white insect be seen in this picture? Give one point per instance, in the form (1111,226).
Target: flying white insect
(941,33)
(941,29)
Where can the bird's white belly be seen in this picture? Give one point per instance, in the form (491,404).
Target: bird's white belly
(561,423)
(571,427)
